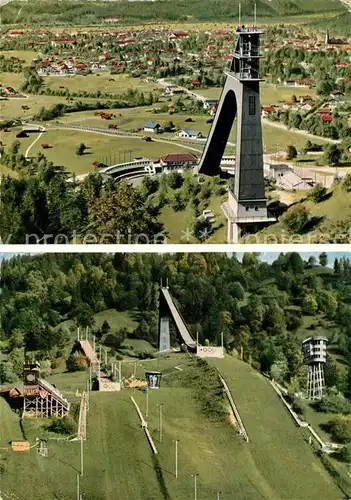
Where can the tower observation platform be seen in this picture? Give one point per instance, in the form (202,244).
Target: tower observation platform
(246,209)
(314,351)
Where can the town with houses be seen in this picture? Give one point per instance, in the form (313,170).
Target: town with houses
(157,90)
(182,57)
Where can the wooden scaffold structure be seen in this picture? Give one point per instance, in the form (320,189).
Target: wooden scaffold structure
(40,398)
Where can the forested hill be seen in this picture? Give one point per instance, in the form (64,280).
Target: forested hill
(259,307)
(77,12)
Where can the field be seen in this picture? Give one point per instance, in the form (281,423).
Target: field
(99,81)
(270,94)
(105,148)
(12,108)
(117,456)
(27,55)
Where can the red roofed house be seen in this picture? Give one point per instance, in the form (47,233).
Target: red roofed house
(81,66)
(195,83)
(327,118)
(16,33)
(268,110)
(342,65)
(176,35)
(9,90)
(178,161)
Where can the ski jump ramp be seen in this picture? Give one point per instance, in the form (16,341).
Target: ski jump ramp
(168,309)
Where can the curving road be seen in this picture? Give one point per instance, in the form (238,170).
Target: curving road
(34,142)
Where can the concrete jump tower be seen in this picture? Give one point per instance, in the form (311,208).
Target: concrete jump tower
(315,356)
(246,208)
(163,325)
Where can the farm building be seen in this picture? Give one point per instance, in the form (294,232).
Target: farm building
(178,161)
(152,127)
(189,134)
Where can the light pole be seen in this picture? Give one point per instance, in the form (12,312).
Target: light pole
(219,494)
(78,489)
(81,456)
(147,402)
(195,485)
(176,458)
(160,420)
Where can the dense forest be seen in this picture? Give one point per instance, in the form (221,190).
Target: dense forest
(259,307)
(50,12)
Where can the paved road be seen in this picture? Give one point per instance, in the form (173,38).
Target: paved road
(197,96)
(298,131)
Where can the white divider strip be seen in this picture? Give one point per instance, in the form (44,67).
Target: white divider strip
(144,426)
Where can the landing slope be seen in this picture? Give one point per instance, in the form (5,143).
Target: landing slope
(278,448)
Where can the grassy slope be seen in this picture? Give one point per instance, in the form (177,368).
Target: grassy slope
(116,320)
(177,223)
(36,12)
(118,458)
(9,424)
(334,209)
(287,460)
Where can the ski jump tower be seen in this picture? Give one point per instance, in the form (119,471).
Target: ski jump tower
(169,311)
(163,324)
(246,208)
(315,356)
(40,398)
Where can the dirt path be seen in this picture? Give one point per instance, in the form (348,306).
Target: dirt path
(34,142)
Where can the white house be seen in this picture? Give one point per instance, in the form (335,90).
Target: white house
(187,133)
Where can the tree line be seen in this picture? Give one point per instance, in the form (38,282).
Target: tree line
(215,293)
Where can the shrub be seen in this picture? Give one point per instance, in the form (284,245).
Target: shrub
(291,152)
(317,193)
(346,183)
(297,406)
(333,403)
(7,374)
(202,228)
(344,454)
(340,428)
(296,218)
(76,363)
(63,425)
